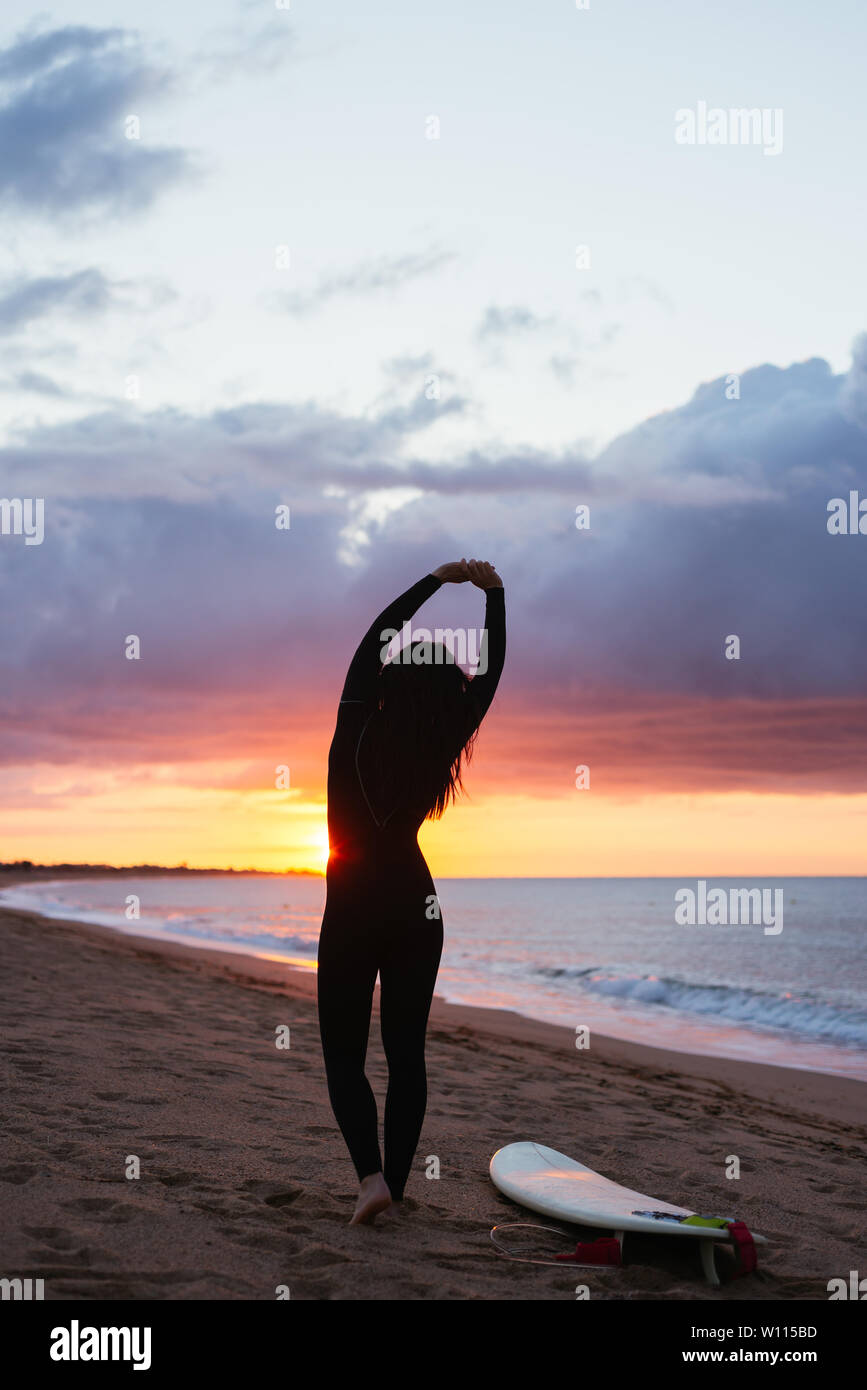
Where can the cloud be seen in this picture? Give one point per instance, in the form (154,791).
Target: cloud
(854,394)
(80,294)
(407,366)
(705,521)
(505,322)
(643,287)
(34,382)
(64,97)
(385,273)
(563,367)
(184,457)
(237,51)
(510,324)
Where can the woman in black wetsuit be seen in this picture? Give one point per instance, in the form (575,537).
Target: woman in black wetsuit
(403,731)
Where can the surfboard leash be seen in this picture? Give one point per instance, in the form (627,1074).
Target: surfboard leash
(587,1253)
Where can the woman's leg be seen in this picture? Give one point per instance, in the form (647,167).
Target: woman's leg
(407,975)
(347,974)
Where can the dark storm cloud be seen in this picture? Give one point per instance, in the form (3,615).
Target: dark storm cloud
(64,97)
(706,521)
(854,394)
(306,448)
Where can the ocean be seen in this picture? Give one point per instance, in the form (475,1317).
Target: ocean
(603,954)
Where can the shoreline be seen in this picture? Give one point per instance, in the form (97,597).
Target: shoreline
(793,1082)
(695,1063)
(124,1045)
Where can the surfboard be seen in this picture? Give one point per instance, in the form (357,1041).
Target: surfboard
(555,1185)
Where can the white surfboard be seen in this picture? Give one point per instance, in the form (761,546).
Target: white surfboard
(555,1185)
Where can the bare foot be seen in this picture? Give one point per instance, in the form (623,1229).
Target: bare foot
(373,1197)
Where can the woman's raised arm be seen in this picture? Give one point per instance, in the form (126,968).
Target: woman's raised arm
(364,668)
(483,687)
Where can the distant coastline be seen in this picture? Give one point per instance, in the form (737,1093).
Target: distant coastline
(25,868)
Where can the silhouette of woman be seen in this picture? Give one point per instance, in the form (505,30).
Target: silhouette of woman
(403,731)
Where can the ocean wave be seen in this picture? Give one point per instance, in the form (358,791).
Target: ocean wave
(201,927)
(761,1009)
(247,938)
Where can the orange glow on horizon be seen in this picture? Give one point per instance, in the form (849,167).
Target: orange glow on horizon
(209,816)
(322,850)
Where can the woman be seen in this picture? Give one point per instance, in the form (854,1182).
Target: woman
(403,732)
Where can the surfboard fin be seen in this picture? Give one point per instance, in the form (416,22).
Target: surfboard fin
(744,1250)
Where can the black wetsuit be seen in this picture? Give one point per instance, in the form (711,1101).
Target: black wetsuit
(381,913)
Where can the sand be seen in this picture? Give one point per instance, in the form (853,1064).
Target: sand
(115,1046)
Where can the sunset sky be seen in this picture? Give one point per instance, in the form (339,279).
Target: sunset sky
(281,291)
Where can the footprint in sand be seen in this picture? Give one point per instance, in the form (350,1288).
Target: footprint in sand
(55,1235)
(118,1212)
(284,1199)
(17,1173)
(318,1256)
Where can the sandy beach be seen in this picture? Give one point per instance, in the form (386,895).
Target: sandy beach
(116,1046)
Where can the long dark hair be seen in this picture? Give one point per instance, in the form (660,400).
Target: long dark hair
(415,744)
